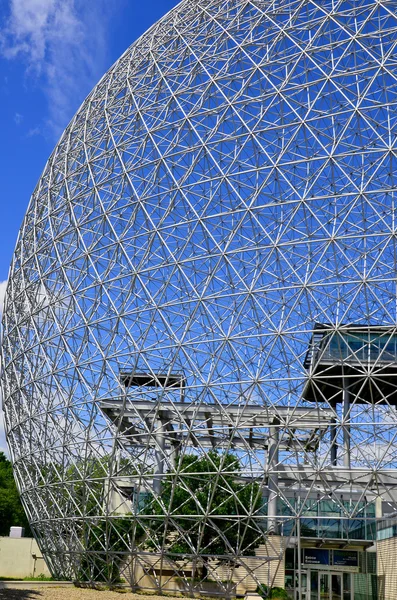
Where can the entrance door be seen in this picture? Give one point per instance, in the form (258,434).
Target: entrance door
(330,586)
(336,586)
(324,590)
(347,586)
(304,588)
(314,581)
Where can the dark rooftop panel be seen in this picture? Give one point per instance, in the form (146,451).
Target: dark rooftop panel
(165,380)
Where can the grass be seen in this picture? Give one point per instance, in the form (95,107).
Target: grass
(40,577)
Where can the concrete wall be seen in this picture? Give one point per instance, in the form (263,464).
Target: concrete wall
(21,557)
(271,572)
(386,568)
(151,572)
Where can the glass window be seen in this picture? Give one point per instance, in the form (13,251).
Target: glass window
(289,558)
(309,528)
(347,586)
(371,562)
(324,586)
(314,576)
(289,580)
(336,585)
(330,528)
(362,346)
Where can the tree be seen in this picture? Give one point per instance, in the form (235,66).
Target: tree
(205,510)
(106,539)
(11,510)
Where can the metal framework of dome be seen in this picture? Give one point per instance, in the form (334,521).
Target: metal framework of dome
(200,330)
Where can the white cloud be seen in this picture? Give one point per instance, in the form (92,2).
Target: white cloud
(33,131)
(63,44)
(18,118)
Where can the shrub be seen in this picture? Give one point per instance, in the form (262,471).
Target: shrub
(275,593)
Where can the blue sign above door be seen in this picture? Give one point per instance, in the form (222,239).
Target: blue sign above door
(345,558)
(315,556)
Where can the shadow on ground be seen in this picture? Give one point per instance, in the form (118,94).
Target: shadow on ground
(13,594)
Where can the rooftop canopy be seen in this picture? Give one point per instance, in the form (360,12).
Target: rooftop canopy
(362,359)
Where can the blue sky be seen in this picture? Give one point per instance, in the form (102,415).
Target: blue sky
(52,52)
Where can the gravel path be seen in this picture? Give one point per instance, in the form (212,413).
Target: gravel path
(72,593)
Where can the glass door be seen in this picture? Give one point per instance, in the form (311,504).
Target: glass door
(314,580)
(304,588)
(331,586)
(320,585)
(324,586)
(347,586)
(336,586)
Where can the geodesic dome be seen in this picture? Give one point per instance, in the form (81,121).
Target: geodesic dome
(200,319)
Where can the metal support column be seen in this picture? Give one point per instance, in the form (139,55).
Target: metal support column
(346,423)
(333,432)
(299,557)
(160,457)
(273,477)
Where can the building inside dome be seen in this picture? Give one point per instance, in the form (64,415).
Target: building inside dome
(199,347)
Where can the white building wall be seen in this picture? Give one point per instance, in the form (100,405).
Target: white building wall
(386,568)
(21,557)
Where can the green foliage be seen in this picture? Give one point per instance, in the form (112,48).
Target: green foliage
(107,544)
(275,593)
(40,577)
(85,480)
(210,513)
(11,511)
(106,541)
(278,593)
